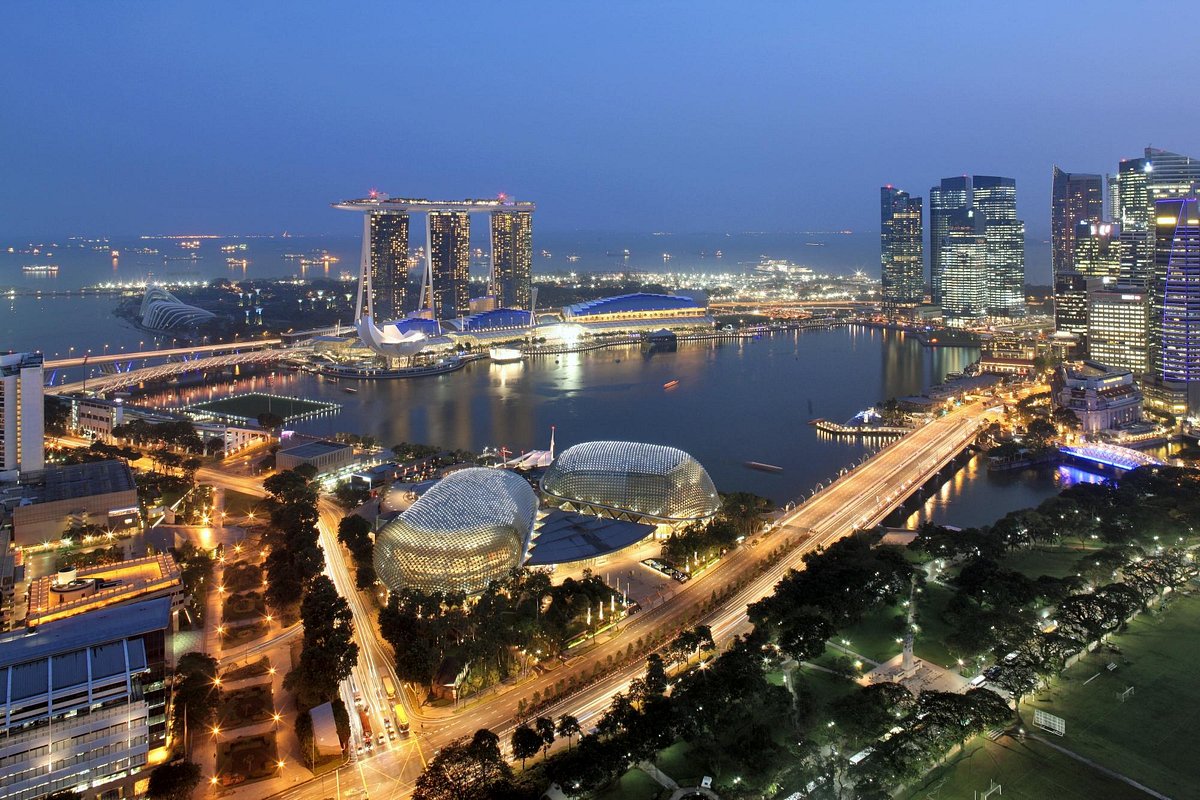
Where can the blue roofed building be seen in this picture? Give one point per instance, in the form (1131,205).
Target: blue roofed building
(83,701)
(640,311)
(496,319)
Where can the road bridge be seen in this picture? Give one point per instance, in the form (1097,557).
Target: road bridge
(110,382)
(90,359)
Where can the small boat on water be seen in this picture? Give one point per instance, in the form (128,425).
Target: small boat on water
(40,269)
(349,390)
(670,384)
(761,467)
(504,355)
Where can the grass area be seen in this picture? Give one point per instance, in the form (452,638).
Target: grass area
(633,785)
(824,686)
(875,636)
(930,644)
(246,706)
(255,668)
(1057,562)
(251,758)
(249,406)
(1025,770)
(679,762)
(1148,737)
(239,504)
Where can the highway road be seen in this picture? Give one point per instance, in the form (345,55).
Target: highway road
(859,498)
(90,358)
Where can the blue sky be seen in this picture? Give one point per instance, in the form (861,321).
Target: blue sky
(125,118)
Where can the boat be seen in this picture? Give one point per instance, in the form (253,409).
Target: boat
(761,467)
(505,355)
(670,384)
(349,390)
(40,269)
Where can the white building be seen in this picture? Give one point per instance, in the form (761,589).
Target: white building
(1118,329)
(23,433)
(1102,397)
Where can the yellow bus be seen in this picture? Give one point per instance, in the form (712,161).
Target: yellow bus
(389,687)
(401,718)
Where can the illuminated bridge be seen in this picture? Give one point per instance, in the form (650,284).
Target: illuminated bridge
(89,358)
(1110,455)
(110,382)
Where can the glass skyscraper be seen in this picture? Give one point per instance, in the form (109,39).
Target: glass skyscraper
(901,250)
(450,263)
(996,199)
(948,197)
(512,259)
(389,265)
(1175,298)
(963,251)
(1075,197)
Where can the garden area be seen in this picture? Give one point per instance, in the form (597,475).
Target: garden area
(246,706)
(251,670)
(241,634)
(243,606)
(250,758)
(241,576)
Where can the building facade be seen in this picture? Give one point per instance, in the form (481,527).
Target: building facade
(901,248)
(512,259)
(1118,328)
(1075,198)
(1175,298)
(389,264)
(963,256)
(449,263)
(996,199)
(83,701)
(1071,303)
(945,199)
(1102,397)
(22,413)
(63,498)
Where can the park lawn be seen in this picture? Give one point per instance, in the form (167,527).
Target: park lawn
(1149,737)
(1057,562)
(634,785)
(682,765)
(825,686)
(1025,770)
(239,504)
(931,638)
(874,636)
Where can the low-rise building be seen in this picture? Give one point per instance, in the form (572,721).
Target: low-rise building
(96,417)
(1102,397)
(77,591)
(326,456)
(63,498)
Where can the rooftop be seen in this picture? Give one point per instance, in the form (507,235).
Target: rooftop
(383,202)
(75,633)
(564,536)
(314,449)
(117,583)
(82,480)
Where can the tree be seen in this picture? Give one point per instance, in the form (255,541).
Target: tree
(526,742)
(196,694)
(545,729)
(329,651)
(568,728)
(57,415)
(465,770)
(803,637)
(1040,433)
(871,711)
(174,781)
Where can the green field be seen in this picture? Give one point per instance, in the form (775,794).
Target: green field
(1148,737)
(1025,770)
(875,636)
(239,504)
(249,406)
(1057,562)
(634,785)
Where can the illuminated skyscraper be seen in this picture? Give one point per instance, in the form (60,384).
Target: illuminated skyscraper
(1117,328)
(996,199)
(1075,198)
(1071,303)
(1097,250)
(901,250)
(449,263)
(963,251)
(512,259)
(389,264)
(1175,299)
(951,195)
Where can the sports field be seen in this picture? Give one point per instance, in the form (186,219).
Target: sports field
(1151,736)
(249,406)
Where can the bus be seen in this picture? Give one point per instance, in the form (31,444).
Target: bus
(401,718)
(389,687)
(365,719)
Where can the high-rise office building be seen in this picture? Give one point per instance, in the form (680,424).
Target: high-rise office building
(22,414)
(1175,299)
(900,248)
(512,259)
(1132,207)
(1117,328)
(449,263)
(1071,303)
(389,264)
(996,199)
(945,199)
(1075,197)
(1097,250)
(963,252)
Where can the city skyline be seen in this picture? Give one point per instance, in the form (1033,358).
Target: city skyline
(637,142)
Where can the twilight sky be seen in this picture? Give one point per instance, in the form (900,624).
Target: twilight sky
(245,117)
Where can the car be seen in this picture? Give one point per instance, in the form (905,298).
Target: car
(391,733)
(379,740)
